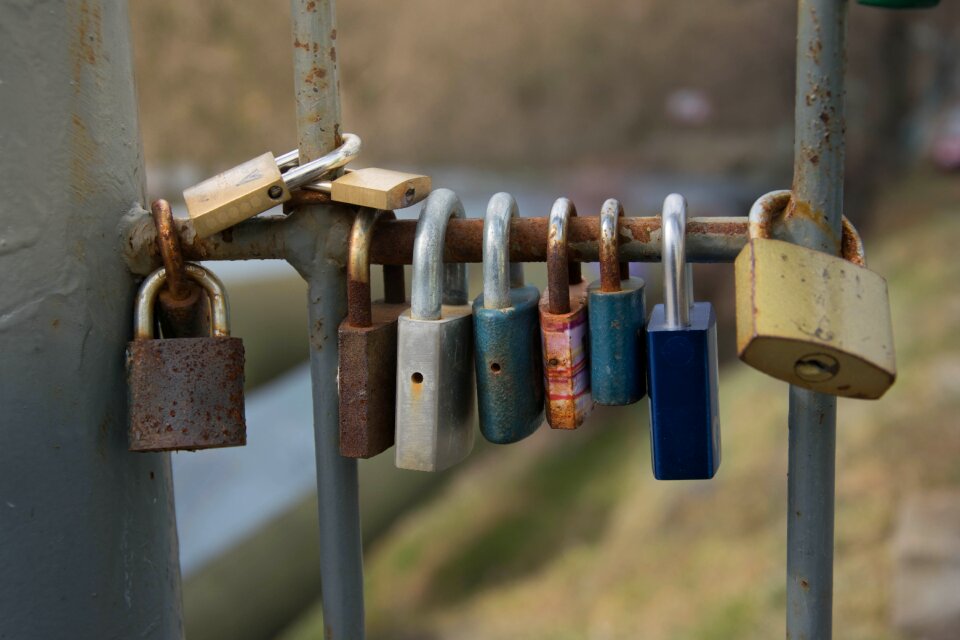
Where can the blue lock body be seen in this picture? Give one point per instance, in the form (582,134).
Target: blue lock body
(506,326)
(683,376)
(617,313)
(684,406)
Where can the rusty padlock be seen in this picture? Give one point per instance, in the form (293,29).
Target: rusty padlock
(367,338)
(563,328)
(185,393)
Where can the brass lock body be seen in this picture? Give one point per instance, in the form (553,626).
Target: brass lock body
(256,185)
(814,320)
(377,188)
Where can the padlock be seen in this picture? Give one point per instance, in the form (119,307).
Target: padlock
(506,333)
(375,188)
(682,354)
(185,393)
(257,185)
(809,318)
(435,389)
(367,339)
(563,328)
(617,316)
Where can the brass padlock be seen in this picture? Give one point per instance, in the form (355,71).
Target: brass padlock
(376,188)
(814,320)
(367,338)
(253,187)
(185,393)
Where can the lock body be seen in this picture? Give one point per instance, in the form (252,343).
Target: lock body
(684,401)
(566,369)
(435,390)
(186,393)
(617,343)
(367,382)
(380,188)
(509,367)
(814,320)
(233,196)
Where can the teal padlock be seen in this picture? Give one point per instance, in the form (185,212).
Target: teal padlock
(506,333)
(617,313)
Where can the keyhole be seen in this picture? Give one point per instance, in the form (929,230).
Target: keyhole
(275,192)
(417,377)
(495,367)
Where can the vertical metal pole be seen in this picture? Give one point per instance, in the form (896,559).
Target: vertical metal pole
(318,126)
(89,542)
(814,220)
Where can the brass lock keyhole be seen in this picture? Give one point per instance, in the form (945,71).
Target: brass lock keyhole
(275,192)
(816,367)
(417,377)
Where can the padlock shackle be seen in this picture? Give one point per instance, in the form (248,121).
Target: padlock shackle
(499,274)
(612,271)
(561,271)
(770,206)
(299,175)
(168,241)
(143,319)
(677,275)
(359,309)
(435,283)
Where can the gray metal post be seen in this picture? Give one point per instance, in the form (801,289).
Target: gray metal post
(318,127)
(814,220)
(89,546)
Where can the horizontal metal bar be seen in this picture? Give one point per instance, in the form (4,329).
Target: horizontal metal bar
(708,240)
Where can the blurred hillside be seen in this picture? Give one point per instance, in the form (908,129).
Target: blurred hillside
(530,85)
(569,536)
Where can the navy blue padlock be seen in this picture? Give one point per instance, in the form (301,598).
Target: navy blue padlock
(683,380)
(617,313)
(506,333)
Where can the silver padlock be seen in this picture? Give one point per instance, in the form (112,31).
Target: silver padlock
(435,388)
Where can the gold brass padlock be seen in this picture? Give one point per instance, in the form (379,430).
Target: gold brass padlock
(253,187)
(382,189)
(814,320)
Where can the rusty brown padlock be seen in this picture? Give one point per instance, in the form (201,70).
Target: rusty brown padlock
(368,348)
(185,393)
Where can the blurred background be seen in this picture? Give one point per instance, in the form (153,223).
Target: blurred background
(567,535)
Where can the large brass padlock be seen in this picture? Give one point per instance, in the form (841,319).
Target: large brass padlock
(814,320)
(256,185)
(367,338)
(185,393)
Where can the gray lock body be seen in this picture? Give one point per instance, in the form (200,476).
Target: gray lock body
(435,380)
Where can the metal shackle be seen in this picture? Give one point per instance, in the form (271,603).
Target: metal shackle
(298,175)
(612,271)
(359,309)
(770,205)
(499,274)
(143,321)
(677,275)
(561,272)
(435,283)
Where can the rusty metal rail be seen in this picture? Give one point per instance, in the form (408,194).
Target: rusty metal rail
(708,240)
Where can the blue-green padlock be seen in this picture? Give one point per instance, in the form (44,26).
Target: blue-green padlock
(617,315)
(682,350)
(506,325)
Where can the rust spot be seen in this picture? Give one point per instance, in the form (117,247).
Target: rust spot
(311,6)
(301,45)
(56,323)
(333,53)
(804,585)
(333,34)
